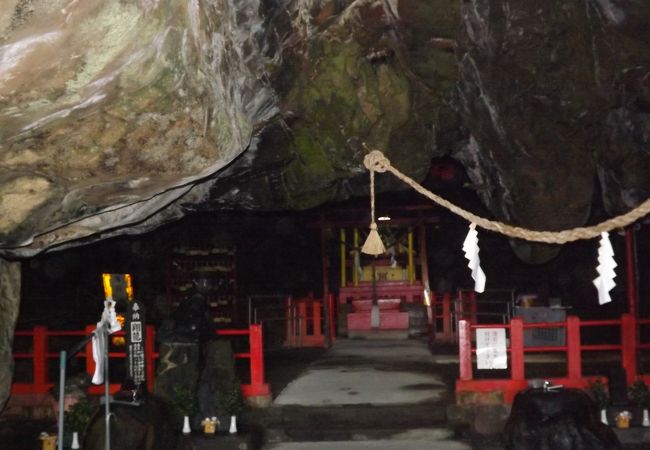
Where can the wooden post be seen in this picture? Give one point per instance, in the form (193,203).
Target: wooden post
(628,344)
(257,360)
(326,288)
(424,263)
(316,318)
(332,321)
(574,357)
(411,263)
(40,359)
(343,258)
(302,321)
(630,271)
(288,307)
(446,318)
(150,358)
(473,307)
(357,249)
(517,349)
(257,387)
(90,363)
(465,350)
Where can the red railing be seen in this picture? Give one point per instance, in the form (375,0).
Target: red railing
(40,355)
(573,349)
(440,313)
(304,326)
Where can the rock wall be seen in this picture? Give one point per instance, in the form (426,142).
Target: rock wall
(9,305)
(118,117)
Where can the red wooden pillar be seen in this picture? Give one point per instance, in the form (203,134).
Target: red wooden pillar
(465,350)
(90,363)
(473,307)
(150,359)
(40,359)
(289,314)
(446,318)
(574,362)
(302,320)
(316,318)
(332,315)
(431,316)
(630,271)
(459,307)
(257,386)
(628,344)
(517,349)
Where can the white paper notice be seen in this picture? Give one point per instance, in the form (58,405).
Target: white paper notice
(491,348)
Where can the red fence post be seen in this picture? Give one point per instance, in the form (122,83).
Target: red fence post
(316,319)
(628,347)
(90,363)
(150,360)
(302,320)
(258,387)
(431,316)
(446,318)
(332,313)
(574,357)
(517,349)
(465,350)
(40,359)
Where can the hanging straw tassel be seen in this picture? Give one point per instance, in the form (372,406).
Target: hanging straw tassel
(373,244)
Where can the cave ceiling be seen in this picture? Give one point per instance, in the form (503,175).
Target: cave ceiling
(119,116)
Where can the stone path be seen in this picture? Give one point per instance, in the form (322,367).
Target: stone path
(363,394)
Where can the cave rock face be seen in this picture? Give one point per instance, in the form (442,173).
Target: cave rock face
(106,104)
(555,95)
(119,116)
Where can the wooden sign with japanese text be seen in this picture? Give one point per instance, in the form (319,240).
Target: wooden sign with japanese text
(135,343)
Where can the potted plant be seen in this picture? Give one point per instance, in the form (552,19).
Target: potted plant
(184,401)
(599,394)
(639,393)
(232,401)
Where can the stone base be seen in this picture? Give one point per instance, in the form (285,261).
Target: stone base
(259,401)
(240,441)
(484,419)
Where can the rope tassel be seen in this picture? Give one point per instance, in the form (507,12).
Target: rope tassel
(373,244)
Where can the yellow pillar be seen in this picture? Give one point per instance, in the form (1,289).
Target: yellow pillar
(343,258)
(411,267)
(355,272)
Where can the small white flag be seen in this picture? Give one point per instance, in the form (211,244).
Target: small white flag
(100,345)
(604,282)
(470,247)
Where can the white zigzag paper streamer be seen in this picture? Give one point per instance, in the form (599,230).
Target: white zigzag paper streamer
(606,264)
(470,247)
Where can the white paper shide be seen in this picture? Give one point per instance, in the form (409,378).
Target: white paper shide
(470,247)
(604,282)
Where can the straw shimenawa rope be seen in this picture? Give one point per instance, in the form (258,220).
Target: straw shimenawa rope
(375,161)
